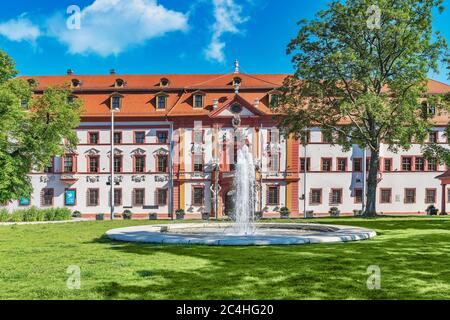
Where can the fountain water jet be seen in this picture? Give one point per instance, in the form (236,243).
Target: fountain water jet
(244,192)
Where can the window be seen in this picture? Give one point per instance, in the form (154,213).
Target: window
(49,168)
(357,164)
(164,82)
(69,166)
(47,197)
(406,163)
(302,164)
(433,137)
(119,83)
(24,104)
(116,102)
(93,165)
(161,197)
(117,164)
(274,136)
(358,195)
(430,196)
(419,164)
(138,197)
(93,137)
(342,164)
(197,197)
(386,195)
(70,197)
(70,99)
(237,81)
(198,136)
(274,162)
(410,195)
(161,102)
(273,195)
(316,196)
(387,165)
(198,162)
(139,164)
(162,163)
(326,164)
(161,137)
(336,196)
(139,137)
(198,101)
(76,83)
(432,164)
(93,196)
(117,197)
(117,137)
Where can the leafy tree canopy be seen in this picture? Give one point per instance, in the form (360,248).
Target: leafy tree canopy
(33,129)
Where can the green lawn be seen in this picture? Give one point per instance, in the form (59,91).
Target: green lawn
(413,254)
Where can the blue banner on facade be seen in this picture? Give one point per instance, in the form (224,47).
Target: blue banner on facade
(70,197)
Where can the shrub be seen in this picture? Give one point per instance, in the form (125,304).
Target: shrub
(153,216)
(179,213)
(17,216)
(205,215)
(258,215)
(100,216)
(284,213)
(62,214)
(76,214)
(334,212)
(127,215)
(4,215)
(357,213)
(310,214)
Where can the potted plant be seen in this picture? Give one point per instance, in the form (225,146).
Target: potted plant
(432,210)
(284,213)
(179,213)
(258,215)
(334,212)
(127,215)
(153,216)
(205,215)
(76,214)
(100,216)
(357,212)
(309,214)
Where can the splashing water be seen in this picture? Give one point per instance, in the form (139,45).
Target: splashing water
(244,195)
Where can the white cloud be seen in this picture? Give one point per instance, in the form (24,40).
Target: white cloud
(20,29)
(109,27)
(228,17)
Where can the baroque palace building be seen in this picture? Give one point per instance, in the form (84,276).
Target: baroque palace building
(175,147)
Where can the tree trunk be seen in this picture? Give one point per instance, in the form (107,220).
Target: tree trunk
(372,181)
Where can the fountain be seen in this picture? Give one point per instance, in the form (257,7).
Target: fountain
(243,230)
(244,195)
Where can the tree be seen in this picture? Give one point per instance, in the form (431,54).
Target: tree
(360,74)
(32,129)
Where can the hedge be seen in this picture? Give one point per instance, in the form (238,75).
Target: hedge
(35,214)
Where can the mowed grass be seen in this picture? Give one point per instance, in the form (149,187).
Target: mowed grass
(412,253)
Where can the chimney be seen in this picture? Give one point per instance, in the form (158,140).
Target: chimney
(112,71)
(69,72)
(215,103)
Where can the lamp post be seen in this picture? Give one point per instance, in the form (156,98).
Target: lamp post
(113,110)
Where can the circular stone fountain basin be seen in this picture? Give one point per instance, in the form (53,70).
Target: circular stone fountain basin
(220,234)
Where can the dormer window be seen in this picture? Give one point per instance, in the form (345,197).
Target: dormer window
(237,81)
(161,102)
(116,101)
(119,83)
(274,98)
(76,83)
(70,99)
(198,99)
(164,82)
(32,82)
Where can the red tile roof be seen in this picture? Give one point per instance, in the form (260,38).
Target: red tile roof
(140,90)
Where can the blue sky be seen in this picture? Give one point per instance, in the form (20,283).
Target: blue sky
(158,36)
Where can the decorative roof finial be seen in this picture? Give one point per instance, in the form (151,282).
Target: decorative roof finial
(236,66)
